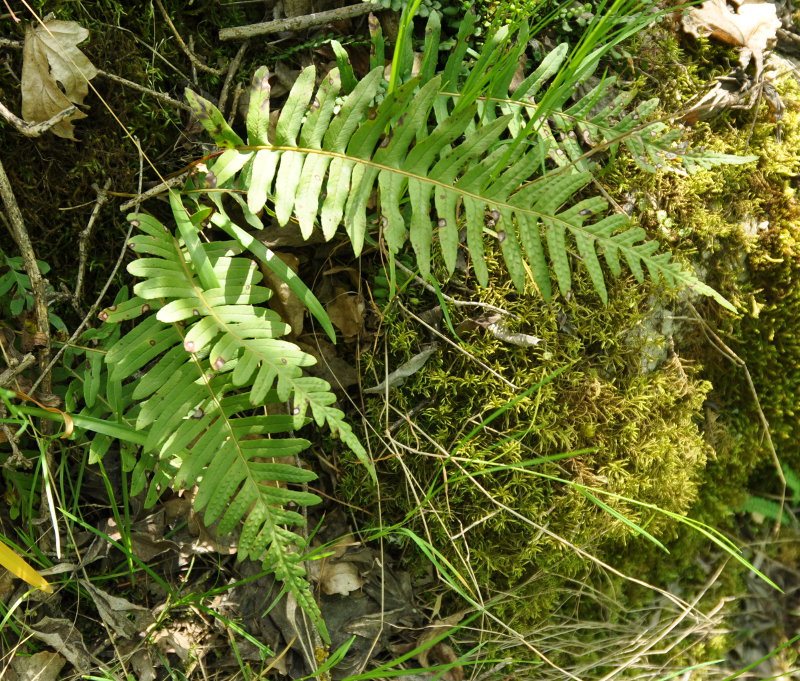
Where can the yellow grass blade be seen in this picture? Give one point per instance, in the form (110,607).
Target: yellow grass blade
(16,566)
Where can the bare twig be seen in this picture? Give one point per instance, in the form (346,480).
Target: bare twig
(153,191)
(453,301)
(486,367)
(731,356)
(9,374)
(236,62)
(297,23)
(83,238)
(77,332)
(160,96)
(35,129)
(192,56)
(20,234)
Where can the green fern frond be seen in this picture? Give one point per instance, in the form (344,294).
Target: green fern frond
(484,171)
(205,353)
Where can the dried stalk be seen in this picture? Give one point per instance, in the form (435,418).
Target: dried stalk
(297,23)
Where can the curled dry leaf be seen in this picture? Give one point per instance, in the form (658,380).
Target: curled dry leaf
(752,27)
(55,73)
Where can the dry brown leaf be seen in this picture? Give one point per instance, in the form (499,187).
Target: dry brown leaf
(346,311)
(290,308)
(64,637)
(51,57)
(43,666)
(752,27)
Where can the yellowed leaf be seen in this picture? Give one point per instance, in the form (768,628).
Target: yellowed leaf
(55,73)
(18,567)
(752,27)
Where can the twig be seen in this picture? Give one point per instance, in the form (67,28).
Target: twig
(8,375)
(192,56)
(297,23)
(236,62)
(113,274)
(237,94)
(729,354)
(453,301)
(20,234)
(458,347)
(153,93)
(83,238)
(35,129)
(158,189)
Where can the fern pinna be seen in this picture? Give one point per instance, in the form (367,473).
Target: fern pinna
(446,154)
(206,356)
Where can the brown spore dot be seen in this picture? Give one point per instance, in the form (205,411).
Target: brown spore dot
(195,312)
(219,362)
(296,411)
(501,236)
(189,346)
(315,103)
(585,211)
(145,308)
(284,361)
(198,413)
(135,223)
(103,316)
(496,215)
(442,222)
(151,342)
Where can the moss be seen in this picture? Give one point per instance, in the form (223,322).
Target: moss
(636,434)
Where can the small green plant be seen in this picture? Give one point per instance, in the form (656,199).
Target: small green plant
(15,289)
(773,510)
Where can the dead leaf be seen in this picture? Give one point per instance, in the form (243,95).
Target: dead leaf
(64,637)
(55,73)
(43,666)
(442,654)
(346,311)
(114,612)
(290,308)
(339,577)
(752,27)
(409,368)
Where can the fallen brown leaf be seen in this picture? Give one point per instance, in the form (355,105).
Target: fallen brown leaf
(51,57)
(752,27)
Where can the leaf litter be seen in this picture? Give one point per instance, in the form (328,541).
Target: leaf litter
(55,73)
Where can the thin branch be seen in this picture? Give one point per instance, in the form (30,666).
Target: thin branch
(83,238)
(192,56)
(453,301)
(35,129)
(153,93)
(297,23)
(729,354)
(153,191)
(458,347)
(236,62)
(113,274)
(20,234)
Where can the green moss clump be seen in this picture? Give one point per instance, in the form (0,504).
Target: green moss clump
(629,432)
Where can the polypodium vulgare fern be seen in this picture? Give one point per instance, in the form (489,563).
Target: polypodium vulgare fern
(445,154)
(209,370)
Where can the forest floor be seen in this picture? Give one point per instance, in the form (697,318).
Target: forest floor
(151,592)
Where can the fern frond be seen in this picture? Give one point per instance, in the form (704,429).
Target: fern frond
(206,353)
(480,168)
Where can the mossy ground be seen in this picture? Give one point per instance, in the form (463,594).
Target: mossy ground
(670,421)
